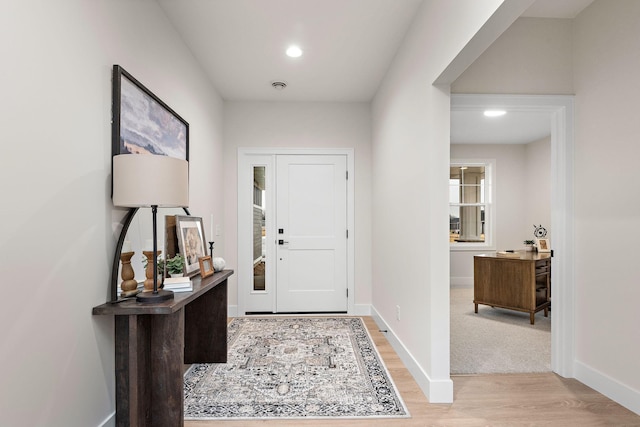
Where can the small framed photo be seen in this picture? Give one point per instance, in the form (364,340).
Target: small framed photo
(543,245)
(206,266)
(191,242)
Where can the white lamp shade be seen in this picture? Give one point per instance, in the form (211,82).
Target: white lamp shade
(142,180)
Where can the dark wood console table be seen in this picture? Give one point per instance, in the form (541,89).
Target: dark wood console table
(521,281)
(154,341)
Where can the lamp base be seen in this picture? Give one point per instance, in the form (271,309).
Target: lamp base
(154,297)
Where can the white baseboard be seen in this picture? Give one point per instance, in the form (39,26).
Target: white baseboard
(610,387)
(232,311)
(361,310)
(461,282)
(436,391)
(110,421)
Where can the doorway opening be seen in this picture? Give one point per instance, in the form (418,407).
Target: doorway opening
(559,110)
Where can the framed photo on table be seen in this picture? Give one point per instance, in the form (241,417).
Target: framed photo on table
(543,245)
(206,266)
(191,242)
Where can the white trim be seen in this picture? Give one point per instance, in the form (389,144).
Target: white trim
(436,391)
(110,421)
(361,310)
(561,110)
(610,387)
(461,282)
(244,155)
(232,311)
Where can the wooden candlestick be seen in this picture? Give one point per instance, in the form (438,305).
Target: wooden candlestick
(129,285)
(148,283)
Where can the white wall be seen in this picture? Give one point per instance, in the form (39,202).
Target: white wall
(410,189)
(538,187)
(302,125)
(58,227)
(532,56)
(606,59)
(605,55)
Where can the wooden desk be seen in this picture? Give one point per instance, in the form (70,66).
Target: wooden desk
(154,341)
(522,283)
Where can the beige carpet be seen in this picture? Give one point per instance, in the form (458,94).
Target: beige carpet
(496,340)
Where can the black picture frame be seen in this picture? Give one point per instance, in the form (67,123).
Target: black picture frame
(143,123)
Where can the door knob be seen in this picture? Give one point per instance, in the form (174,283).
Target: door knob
(282,242)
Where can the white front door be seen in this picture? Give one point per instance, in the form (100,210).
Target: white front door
(311,233)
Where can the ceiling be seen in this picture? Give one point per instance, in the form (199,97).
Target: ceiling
(515,127)
(348,44)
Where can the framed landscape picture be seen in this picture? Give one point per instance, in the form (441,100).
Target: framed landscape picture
(142,123)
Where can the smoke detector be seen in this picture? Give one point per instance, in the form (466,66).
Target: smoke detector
(279,85)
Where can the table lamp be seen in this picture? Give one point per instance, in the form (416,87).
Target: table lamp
(148,180)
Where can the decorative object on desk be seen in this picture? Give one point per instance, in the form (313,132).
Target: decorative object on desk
(178,284)
(141,180)
(528,245)
(206,266)
(191,242)
(218,264)
(145,262)
(142,123)
(543,245)
(151,268)
(129,285)
(211,249)
(283,368)
(539,231)
(175,266)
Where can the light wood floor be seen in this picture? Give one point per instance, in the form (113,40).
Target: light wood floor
(481,400)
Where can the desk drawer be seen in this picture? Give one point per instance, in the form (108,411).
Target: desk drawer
(543,266)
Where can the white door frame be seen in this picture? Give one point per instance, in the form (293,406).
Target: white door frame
(246,156)
(561,110)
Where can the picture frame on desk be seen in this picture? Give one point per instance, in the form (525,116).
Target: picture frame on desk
(543,245)
(191,242)
(206,266)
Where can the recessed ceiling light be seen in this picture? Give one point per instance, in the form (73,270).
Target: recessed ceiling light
(494,113)
(294,51)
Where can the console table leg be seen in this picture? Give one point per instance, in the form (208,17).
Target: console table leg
(149,369)
(166,370)
(205,339)
(532,317)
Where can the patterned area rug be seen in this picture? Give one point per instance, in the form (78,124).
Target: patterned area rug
(280,367)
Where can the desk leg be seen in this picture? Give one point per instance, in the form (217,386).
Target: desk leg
(149,382)
(532,317)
